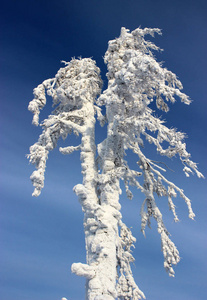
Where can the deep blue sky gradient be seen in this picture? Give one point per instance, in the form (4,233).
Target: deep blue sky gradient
(42,237)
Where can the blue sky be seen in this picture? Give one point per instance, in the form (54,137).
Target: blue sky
(42,237)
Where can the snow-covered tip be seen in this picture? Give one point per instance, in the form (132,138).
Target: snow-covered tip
(199,174)
(145,31)
(83,270)
(191,214)
(170,253)
(64,298)
(37,179)
(36,192)
(187,171)
(37,103)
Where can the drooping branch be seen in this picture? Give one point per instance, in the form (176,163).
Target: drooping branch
(135,79)
(39,100)
(72,89)
(126,286)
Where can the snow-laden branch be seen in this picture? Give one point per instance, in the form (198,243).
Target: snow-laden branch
(73,88)
(39,100)
(69,149)
(126,286)
(135,79)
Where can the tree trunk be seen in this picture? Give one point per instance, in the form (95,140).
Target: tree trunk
(101,217)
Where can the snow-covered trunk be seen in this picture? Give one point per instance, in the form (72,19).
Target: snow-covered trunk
(109,197)
(101,215)
(105,242)
(107,235)
(87,193)
(102,248)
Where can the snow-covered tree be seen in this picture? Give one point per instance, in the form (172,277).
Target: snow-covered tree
(135,79)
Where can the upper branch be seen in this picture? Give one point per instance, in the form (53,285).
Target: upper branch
(73,88)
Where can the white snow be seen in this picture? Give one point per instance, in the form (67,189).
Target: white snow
(135,79)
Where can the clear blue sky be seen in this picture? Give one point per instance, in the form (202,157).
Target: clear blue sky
(42,237)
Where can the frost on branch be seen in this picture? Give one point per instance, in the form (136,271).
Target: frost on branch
(37,103)
(126,286)
(73,87)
